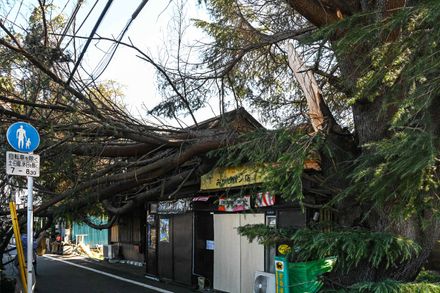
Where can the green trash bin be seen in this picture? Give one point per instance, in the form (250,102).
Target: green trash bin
(301,277)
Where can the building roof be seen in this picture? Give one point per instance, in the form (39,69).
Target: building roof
(238,119)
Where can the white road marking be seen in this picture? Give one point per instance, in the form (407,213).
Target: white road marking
(111,275)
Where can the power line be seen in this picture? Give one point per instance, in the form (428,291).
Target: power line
(70,21)
(65,6)
(82,23)
(95,28)
(105,61)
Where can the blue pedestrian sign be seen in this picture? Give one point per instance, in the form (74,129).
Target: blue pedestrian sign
(23,137)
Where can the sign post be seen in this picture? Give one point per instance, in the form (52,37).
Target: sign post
(24,138)
(30,232)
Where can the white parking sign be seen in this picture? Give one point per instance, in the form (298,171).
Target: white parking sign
(21,164)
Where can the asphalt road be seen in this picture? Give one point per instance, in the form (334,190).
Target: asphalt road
(66,276)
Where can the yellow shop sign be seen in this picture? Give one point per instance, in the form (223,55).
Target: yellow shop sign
(232,177)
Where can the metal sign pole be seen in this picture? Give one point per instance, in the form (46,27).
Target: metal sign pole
(30,240)
(24,138)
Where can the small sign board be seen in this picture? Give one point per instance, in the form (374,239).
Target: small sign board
(23,137)
(210,245)
(282,275)
(20,164)
(176,207)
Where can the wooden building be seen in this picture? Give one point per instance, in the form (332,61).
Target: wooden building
(128,235)
(174,238)
(241,202)
(195,235)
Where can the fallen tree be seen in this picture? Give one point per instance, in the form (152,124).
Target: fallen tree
(365,77)
(364,74)
(96,158)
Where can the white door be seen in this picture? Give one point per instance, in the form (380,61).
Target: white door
(235,259)
(251,254)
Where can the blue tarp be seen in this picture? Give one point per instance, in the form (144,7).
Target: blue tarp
(91,236)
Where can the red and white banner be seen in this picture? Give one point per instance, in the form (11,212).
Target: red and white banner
(264,199)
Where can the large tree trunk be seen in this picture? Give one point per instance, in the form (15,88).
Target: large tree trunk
(372,120)
(425,236)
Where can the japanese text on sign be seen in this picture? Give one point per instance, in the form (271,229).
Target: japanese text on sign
(21,164)
(232,176)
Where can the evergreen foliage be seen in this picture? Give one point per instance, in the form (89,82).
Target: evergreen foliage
(349,246)
(283,165)
(266,235)
(397,174)
(390,286)
(245,63)
(428,276)
(396,63)
(400,172)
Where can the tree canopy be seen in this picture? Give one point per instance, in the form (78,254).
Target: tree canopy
(354,81)
(376,67)
(96,158)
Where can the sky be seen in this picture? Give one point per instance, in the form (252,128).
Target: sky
(151,31)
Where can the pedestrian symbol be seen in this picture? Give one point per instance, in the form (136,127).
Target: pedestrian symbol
(23,137)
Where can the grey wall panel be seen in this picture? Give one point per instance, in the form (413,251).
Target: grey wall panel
(235,259)
(252,254)
(226,253)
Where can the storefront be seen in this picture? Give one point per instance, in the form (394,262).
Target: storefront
(127,236)
(179,240)
(235,258)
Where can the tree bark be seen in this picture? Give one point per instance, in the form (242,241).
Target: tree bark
(107,225)
(372,120)
(319,113)
(425,236)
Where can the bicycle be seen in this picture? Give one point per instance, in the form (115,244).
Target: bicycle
(15,271)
